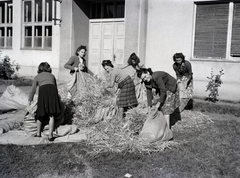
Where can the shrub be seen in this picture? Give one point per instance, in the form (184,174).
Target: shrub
(213,84)
(7,68)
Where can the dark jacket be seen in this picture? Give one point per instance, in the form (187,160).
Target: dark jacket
(184,69)
(74,62)
(162,82)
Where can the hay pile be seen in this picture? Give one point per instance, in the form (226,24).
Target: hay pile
(94,111)
(191,119)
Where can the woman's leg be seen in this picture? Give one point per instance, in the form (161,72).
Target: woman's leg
(121,110)
(39,126)
(167,118)
(51,127)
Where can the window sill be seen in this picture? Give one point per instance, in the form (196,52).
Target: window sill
(215,60)
(5,48)
(38,49)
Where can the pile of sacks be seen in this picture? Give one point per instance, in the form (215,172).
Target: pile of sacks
(18,124)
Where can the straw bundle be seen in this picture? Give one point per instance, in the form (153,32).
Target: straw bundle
(95,111)
(121,136)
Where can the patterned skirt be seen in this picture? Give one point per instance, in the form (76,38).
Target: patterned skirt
(171,103)
(48,102)
(185,93)
(127,95)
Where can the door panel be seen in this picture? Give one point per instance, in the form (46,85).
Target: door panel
(119,44)
(107,39)
(95,47)
(106,42)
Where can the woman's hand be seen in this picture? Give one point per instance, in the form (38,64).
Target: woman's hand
(149,109)
(81,66)
(76,69)
(158,104)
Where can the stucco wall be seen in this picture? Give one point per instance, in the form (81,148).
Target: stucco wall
(142,30)
(65,42)
(74,32)
(132,12)
(80,34)
(170,30)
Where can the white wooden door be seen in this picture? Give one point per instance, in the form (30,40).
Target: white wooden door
(94,54)
(118,50)
(106,42)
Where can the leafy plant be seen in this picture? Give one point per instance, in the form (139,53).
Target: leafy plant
(7,68)
(213,85)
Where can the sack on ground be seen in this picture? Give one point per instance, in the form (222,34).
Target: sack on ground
(155,128)
(30,124)
(13,98)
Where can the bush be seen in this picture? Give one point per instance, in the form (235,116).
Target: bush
(7,68)
(213,85)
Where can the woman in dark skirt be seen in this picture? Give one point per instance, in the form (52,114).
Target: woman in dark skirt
(126,88)
(48,106)
(166,86)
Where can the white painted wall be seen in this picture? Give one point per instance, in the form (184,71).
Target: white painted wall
(170,30)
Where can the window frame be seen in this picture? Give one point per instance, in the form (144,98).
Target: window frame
(6,25)
(228,56)
(33,23)
(102,9)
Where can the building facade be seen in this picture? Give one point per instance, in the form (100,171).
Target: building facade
(206,32)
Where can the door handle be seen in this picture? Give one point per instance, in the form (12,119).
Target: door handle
(114,56)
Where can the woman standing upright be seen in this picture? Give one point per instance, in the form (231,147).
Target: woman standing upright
(132,69)
(183,70)
(126,90)
(77,66)
(166,86)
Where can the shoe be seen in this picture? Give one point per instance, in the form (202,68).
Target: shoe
(51,139)
(37,136)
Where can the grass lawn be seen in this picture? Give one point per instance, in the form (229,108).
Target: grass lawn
(207,150)
(212,150)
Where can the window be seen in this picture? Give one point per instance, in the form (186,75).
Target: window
(217,30)
(37,24)
(108,9)
(235,46)
(6,20)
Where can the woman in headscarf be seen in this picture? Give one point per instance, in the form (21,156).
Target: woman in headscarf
(132,69)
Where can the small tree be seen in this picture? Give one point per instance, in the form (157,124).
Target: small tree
(7,68)
(213,84)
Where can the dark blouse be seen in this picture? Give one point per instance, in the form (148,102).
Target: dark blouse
(74,62)
(183,69)
(41,79)
(162,82)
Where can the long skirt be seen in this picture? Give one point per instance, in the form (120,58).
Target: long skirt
(127,95)
(171,103)
(48,102)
